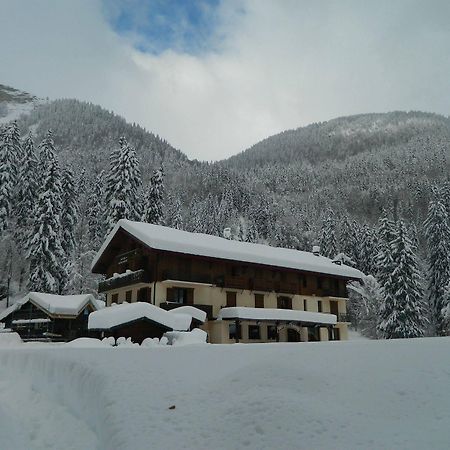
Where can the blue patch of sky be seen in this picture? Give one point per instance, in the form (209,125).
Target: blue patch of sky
(155,26)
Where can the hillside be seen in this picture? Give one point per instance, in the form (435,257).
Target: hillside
(341,138)
(14,103)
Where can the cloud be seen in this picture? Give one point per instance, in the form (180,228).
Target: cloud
(271,66)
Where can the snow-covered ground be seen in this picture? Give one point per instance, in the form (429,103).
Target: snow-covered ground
(336,395)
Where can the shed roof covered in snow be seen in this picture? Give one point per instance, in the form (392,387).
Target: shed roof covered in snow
(125,313)
(56,305)
(282,315)
(164,238)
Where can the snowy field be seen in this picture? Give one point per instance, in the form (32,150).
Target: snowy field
(337,395)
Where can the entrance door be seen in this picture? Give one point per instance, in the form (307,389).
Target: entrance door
(293,335)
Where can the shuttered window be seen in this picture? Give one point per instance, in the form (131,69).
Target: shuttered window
(231,299)
(259,301)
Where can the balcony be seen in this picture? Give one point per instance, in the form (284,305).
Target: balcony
(125,279)
(343,317)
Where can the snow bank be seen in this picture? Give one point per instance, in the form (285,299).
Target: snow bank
(179,338)
(86,342)
(116,315)
(8,339)
(165,238)
(241,312)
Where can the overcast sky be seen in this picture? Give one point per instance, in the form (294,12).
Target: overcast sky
(214,77)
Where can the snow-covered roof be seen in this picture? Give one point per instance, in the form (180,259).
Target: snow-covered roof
(59,305)
(285,315)
(169,239)
(123,313)
(192,311)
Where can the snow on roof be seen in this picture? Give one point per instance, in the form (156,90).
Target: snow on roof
(169,239)
(64,305)
(192,311)
(116,315)
(70,305)
(285,315)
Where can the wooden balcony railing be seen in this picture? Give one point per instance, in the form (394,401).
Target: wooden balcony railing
(139,276)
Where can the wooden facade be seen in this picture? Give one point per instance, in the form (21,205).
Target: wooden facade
(150,266)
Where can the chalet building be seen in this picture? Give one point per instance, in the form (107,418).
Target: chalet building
(49,317)
(250,292)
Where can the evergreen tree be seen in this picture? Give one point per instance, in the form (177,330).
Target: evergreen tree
(365,299)
(437,232)
(45,252)
(10,154)
(367,251)
(124,178)
(69,211)
(328,241)
(402,313)
(348,239)
(383,260)
(153,211)
(47,151)
(96,213)
(27,191)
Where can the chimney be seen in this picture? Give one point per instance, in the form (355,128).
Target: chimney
(227,233)
(316,250)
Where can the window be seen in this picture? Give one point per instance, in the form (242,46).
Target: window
(305,305)
(235,271)
(144,295)
(272,332)
(182,296)
(313,334)
(114,298)
(254,332)
(259,301)
(231,299)
(128,296)
(232,331)
(319,283)
(319,305)
(284,303)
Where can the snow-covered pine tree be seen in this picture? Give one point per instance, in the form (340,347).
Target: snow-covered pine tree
(348,239)
(96,213)
(45,252)
(402,312)
(27,191)
(383,260)
(47,151)
(367,250)
(437,232)
(153,208)
(365,299)
(69,211)
(174,219)
(327,238)
(123,181)
(10,155)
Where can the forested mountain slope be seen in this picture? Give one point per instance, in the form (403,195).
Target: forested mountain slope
(342,137)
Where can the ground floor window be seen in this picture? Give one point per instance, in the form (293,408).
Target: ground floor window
(144,295)
(128,296)
(254,332)
(313,334)
(272,332)
(232,331)
(114,298)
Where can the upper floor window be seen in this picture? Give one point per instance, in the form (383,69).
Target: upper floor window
(319,305)
(284,303)
(231,299)
(182,296)
(319,283)
(259,301)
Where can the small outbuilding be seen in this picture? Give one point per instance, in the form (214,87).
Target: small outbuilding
(50,317)
(141,320)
